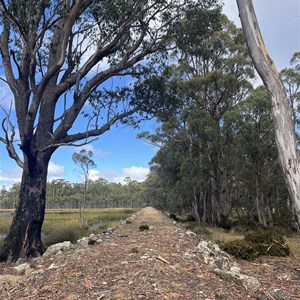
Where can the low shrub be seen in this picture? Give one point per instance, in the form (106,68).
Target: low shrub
(240,249)
(224,223)
(173,217)
(258,242)
(182,218)
(244,225)
(190,218)
(268,242)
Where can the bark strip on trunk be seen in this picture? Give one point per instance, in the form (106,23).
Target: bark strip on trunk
(283,124)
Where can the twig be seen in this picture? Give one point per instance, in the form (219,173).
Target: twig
(162,259)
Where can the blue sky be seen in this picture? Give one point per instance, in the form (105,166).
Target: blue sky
(118,153)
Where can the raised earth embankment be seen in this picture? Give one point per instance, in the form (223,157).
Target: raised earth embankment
(148,256)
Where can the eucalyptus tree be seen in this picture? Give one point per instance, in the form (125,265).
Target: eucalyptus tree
(85,161)
(212,76)
(285,136)
(256,158)
(56,56)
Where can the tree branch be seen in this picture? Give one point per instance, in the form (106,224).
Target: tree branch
(9,140)
(99,131)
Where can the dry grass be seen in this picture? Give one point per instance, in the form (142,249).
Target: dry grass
(220,235)
(294,244)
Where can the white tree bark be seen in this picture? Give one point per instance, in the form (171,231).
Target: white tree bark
(284,128)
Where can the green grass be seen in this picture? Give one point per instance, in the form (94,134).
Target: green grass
(63,224)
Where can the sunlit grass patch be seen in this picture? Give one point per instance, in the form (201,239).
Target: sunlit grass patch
(294,244)
(218,234)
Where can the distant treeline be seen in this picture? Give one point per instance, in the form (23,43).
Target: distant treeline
(100,194)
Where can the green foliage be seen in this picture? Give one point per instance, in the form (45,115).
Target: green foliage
(85,161)
(224,223)
(244,224)
(101,194)
(240,249)
(193,161)
(268,242)
(195,28)
(262,241)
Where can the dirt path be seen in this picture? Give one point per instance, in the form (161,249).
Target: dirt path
(130,264)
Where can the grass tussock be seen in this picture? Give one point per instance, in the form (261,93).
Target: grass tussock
(67,233)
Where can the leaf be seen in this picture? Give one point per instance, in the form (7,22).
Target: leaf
(88,284)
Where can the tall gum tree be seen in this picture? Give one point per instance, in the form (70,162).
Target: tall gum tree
(212,76)
(56,55)
(283,122)
(85,161)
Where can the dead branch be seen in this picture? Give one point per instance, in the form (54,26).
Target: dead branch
(8,140)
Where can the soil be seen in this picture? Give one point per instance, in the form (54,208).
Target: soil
(153,263)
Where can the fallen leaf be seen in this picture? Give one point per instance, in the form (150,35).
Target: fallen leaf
(88,284)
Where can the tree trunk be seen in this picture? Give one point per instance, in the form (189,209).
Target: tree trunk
(195,205)
(204,200)
(82,205)
(283,124)
(24,236)
(260,208)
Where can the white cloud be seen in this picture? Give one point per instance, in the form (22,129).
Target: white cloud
(134,172)
(55,170)
(111,175)
(11,175)
(94,175)
(96,152)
